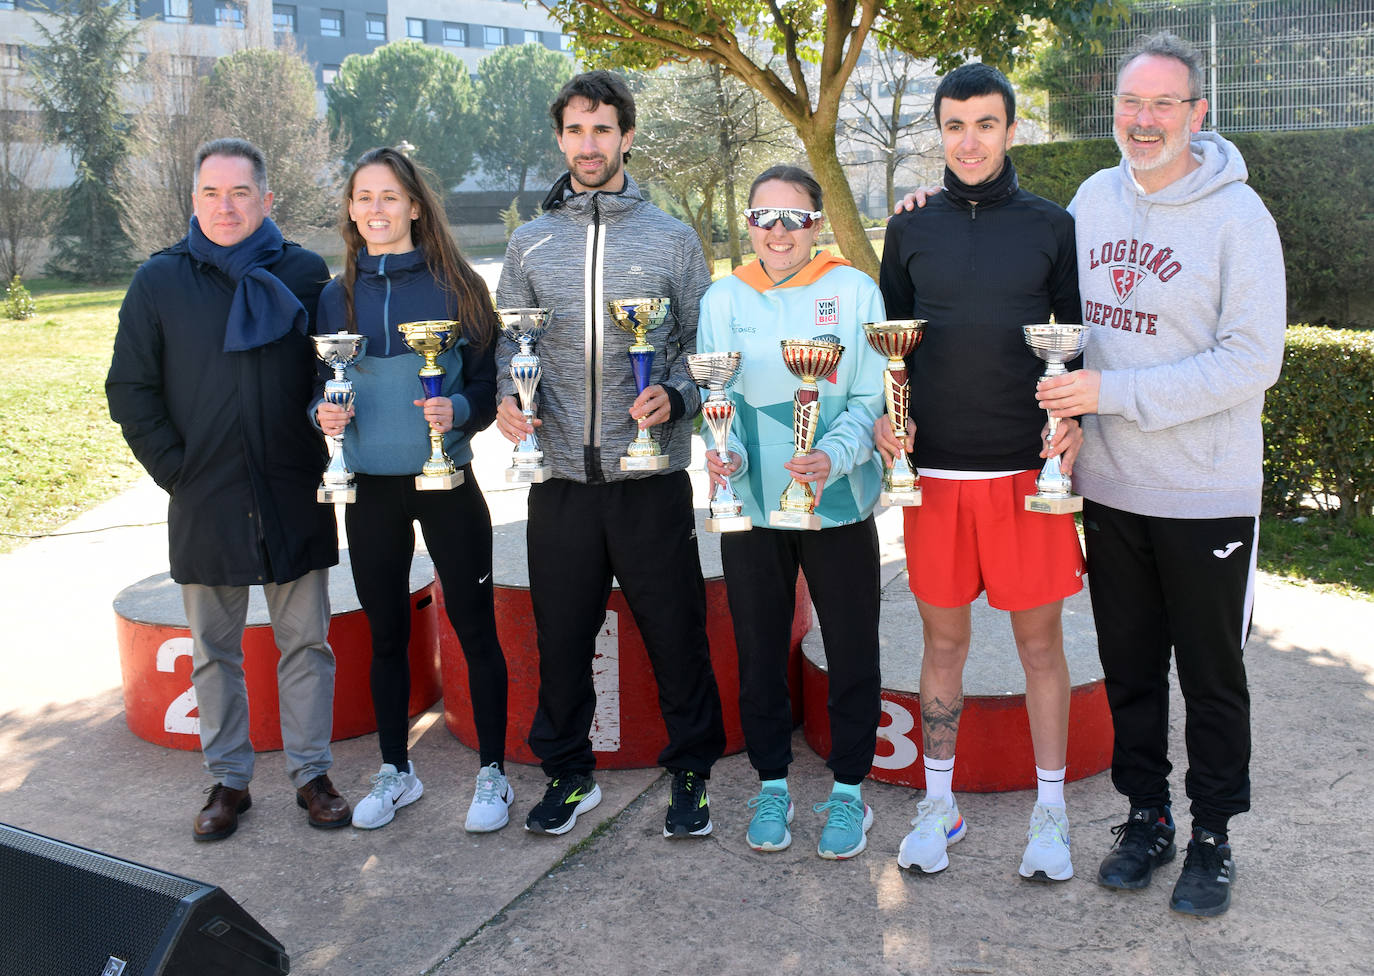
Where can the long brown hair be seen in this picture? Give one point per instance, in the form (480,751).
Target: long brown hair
(470,299)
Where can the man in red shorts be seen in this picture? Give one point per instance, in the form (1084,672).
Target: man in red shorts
(978,262)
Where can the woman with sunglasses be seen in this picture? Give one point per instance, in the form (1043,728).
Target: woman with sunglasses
(402,265)
(789,294)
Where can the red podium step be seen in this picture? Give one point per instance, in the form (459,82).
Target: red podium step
(994,751)
(627,729)
(155,659)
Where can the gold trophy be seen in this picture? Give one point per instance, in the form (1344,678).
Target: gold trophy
(526,326)
(810,360)
(1056,344)
(895,339)
(717,371)
(640,316)
(338,351)
(430,339)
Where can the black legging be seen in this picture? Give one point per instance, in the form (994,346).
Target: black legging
(457,531)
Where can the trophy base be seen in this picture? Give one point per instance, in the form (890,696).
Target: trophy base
(730,523)
(794,520)
(1054,506)
(328,496)
(651,462)
(438,482)
(901,499)
(528,476)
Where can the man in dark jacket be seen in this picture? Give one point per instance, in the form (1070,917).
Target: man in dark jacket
(210,381)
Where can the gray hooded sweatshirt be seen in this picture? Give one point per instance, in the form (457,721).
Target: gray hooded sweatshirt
(1184,289)
(587,249)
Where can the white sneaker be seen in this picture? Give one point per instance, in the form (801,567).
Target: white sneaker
(1047,846)
(491,800)
(391,790)
(938,825)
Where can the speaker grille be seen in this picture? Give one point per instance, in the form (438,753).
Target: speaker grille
(65,911)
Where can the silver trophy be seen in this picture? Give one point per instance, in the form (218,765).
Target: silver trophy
(338,352)
(895,339)
(526,326)
(1056,344)
(717,371)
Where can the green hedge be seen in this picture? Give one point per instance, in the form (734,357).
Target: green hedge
(1316,184)
(1319,421)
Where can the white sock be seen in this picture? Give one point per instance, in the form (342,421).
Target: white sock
(939,777)
(1050,783)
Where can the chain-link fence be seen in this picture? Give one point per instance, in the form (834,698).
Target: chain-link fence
(1270,65)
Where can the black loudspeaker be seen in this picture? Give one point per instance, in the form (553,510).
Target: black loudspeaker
(69,911)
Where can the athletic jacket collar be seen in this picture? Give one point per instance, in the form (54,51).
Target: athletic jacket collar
(753,275)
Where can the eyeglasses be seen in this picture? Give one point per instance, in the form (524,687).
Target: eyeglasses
(1129,106)
(765,217)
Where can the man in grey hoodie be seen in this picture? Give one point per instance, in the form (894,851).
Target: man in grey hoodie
(1181,275)
(600,240)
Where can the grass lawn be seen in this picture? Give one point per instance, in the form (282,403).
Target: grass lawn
(60,454)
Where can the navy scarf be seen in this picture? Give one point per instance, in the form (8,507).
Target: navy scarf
(264,309)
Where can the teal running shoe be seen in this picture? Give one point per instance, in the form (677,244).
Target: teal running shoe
(773,811)
(846,827)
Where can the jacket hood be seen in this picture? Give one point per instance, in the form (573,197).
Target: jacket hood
(1221,163)
(755,277)
(562,196)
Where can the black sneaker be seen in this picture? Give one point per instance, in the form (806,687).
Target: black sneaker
(689,810)
(564,798)
(1204,885)
(1143,843)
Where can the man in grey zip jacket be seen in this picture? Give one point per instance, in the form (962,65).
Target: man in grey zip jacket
(1181,275)
(600,240)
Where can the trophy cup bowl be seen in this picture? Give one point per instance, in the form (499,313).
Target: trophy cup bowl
(526,326)
(639,317)
(430,339)
(338,351)
(1056,344)
(895,339)
(717,371)
(811,360)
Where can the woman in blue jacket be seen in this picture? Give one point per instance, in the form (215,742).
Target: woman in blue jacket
(788,294)
(402,265)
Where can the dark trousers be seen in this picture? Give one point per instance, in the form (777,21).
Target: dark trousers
(641,532)
(841,567)
(381,540)
(1185,584)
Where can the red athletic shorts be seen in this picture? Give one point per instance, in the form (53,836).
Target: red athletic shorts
(969,536)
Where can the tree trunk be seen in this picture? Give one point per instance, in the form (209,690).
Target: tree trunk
(840,208)
(728,167)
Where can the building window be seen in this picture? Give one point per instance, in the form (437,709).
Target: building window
(329,73)
(456,35)
(6,4)
(493,36)
(533,37)
(176,11)
(229,13)
(375,27)
(331,22)
(283,18)
(130,9)
(10,59)
(565,42)
(415,28)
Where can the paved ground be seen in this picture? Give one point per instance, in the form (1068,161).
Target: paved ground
(612,896)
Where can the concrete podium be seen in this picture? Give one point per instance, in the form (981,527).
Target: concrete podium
(627,729)
(155,659)
(994,752)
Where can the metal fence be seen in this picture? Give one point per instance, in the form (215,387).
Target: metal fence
(1271,64)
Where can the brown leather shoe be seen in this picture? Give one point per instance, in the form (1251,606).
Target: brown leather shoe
(323,804)
(220,816)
